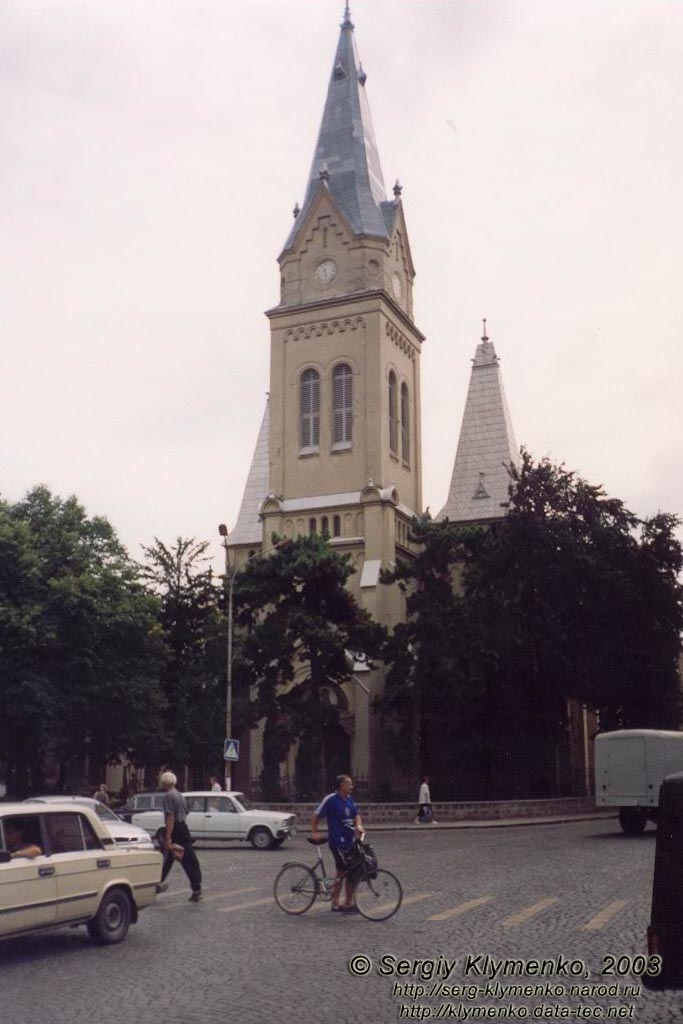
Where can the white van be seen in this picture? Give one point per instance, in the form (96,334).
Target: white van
(630,766)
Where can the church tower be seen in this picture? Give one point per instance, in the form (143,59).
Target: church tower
(342,430)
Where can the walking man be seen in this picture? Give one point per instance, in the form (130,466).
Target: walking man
(424,814)
(343,823)
(178,841)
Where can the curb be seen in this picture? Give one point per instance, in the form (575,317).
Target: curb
(489,823)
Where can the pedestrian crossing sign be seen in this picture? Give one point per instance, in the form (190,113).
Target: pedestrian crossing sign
(231,751)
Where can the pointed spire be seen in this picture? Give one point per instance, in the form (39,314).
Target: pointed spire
(346,146)
(487,445)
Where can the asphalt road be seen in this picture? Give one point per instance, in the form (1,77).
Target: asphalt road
(572,895)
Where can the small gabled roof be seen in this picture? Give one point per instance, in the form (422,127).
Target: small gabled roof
(248,529)
(486,447)
(346,155)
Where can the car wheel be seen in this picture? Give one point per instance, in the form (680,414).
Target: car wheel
(261,838)
(112,921)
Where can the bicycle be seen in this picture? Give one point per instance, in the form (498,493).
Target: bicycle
(377,893)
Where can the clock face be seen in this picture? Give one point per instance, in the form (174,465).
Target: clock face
(396,286)
(325,272)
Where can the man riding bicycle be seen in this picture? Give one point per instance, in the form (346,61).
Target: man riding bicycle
(343,823)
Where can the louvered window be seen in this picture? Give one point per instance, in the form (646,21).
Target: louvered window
(405,423)
(393,413)
(342,404)
(310,409)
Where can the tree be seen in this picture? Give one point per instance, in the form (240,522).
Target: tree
(193,676)
(79,645)
(302,630)
(570,596)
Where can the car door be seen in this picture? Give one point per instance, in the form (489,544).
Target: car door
(222,819)
(80,862)
(196,816)
(28,890)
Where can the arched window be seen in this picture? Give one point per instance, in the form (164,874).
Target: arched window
(342,404)
(393,413)
(336,526)
(405,423)
(309,434)
(312,526)
(325,526)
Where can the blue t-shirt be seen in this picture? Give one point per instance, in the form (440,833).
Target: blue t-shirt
(340,813)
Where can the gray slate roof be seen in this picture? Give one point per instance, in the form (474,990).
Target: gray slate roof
(479,485)
(248,529)
(347,149)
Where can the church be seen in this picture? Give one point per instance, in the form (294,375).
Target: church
(339,448)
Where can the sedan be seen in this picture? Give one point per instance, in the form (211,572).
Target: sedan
(225,816)
(123,833)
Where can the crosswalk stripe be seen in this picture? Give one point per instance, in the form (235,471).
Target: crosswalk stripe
(244,906)
(172,899)
(445,915)
(416,898)
(605,915)
(532,911)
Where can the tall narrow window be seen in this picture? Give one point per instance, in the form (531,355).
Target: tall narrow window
(312,526)
(342,404)
(336,525)
(325,526)
(310,409)
(393,413)
(405,424)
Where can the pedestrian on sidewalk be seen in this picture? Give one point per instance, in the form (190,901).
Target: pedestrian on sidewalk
(214,785)
(424,799)
(177,843)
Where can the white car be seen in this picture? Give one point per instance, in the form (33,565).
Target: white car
(121,831)
(225,816)
(79,876)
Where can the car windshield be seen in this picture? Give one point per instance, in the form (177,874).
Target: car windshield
(242,799)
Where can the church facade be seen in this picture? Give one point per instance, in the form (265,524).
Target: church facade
(339,449)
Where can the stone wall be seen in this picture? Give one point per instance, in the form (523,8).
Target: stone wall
(404,813)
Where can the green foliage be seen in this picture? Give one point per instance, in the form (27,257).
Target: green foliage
(80,649)
(193,676)
(302,630)
(570,596)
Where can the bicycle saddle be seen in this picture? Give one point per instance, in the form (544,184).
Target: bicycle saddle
(316,842)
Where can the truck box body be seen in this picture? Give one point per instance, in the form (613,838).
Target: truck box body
(631,764)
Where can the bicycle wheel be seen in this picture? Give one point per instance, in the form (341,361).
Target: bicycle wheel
(380,897)
(295,888)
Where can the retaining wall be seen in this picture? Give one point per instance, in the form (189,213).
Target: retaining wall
(484,810)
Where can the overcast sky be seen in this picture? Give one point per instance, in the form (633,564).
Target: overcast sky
(150,157)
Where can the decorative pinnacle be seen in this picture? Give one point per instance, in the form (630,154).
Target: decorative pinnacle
(362,77)
(323,173)
(484,336)
(347,23)
(398,188)
(296,211)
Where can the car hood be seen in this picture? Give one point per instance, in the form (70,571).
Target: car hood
(121,831)
(270,815)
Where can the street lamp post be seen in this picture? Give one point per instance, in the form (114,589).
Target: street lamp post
(230,577)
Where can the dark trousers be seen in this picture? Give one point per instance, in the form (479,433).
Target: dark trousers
(181,836)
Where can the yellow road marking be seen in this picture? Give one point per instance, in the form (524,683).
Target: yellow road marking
(445,915)
(601,919)
(535,908)
(177,897)
(414,899)
(243,906)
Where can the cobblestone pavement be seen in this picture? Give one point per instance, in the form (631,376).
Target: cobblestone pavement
(579,890)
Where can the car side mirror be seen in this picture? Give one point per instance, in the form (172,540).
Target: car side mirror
(5,857)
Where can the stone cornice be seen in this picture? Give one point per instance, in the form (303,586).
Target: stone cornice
(344,300)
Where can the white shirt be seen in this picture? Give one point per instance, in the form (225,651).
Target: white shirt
(216,788)
(424,797)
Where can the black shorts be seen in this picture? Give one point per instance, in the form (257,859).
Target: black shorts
(341,859)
